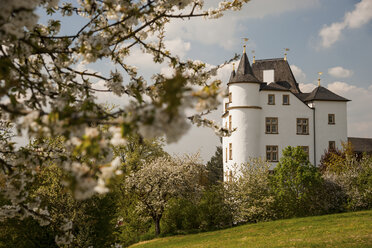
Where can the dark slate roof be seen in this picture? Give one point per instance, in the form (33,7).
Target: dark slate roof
(244,72)
(361,144)
(322,94)
(283,72)
(232,75)
(302,96)
(274,86)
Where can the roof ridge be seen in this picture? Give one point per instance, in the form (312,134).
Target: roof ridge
(269,59)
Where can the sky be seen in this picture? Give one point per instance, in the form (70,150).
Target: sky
(331,36)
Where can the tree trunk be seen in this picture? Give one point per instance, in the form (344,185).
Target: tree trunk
(157,225)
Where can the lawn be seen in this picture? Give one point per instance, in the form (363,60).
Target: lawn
(337,230)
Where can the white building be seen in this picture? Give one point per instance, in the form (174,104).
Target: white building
(270,112)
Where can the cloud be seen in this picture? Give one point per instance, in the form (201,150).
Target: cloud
(339,72)
(262,8)
(298,73)
(358,109)
(306,88)
(360,16)
(225,31)
(145,63)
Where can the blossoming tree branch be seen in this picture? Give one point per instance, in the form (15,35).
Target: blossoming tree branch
(46,96)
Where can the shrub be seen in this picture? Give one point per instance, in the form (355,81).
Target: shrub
(355,179)
(296,184)
(249,193)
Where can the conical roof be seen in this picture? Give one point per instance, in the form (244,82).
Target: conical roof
(232,75)
(244,72)
(322,94)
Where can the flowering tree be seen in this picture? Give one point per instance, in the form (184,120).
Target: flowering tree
(45,93)
(162,179)
(248,192)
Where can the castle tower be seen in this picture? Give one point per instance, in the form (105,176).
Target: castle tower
(242,111)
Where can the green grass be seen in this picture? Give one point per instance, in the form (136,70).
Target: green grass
(337,230)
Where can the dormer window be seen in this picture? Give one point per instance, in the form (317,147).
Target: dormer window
(268,76)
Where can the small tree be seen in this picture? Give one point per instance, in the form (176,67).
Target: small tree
(249,194)
(161,180)
(295,183)
(215,167)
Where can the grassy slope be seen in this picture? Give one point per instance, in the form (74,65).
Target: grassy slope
(338,230)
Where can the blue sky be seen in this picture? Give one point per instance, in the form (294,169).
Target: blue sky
(332,36)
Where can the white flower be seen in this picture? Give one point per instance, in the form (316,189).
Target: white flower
(91,132)
(117,139)
(101,187)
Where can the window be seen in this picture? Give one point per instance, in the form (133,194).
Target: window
(226,106)
(306,150)
(230,97)
(230,151)
(226,155)
(302,126)
(230,122)
(272,153)
(230,176)
(271,99)
(285,99)
(271,125)
(331,145)
(268,76)
(331,119)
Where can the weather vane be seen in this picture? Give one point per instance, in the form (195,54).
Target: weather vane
(319,73)
(245,40)
(254,57)
(285,53)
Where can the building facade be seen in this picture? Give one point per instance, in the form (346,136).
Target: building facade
(268,112)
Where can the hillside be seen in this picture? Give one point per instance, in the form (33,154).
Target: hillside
(338,230)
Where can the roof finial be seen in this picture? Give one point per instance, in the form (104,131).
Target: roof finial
(285,54)
(246,40)
(254,57)
(319,73)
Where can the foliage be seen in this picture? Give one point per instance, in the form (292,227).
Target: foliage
(249,193)
(215,167)
(181,216)
(162,179)
(332,159)
(354,177)
(193,214)
(296,183)
(214,210)
(138,151)
(87,222)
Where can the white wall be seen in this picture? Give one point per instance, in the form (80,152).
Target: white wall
(287,123)
(245,139)
(326,132)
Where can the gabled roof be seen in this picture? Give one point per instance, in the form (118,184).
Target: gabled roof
(283,72)
(361,144)
(322,94)
(274,86)
(244,72)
